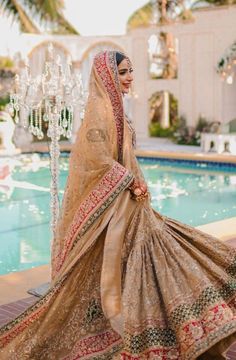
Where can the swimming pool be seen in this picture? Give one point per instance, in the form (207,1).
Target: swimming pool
(195,193)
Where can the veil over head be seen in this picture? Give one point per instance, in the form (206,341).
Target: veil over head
(96,155)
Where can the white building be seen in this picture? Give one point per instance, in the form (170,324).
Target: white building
(186,60)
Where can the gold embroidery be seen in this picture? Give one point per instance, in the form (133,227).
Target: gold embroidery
(96,135)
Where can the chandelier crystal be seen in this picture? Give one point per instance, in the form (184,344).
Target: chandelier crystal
(49,98)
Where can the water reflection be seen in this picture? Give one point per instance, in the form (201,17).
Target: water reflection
(24,210)
(191,194)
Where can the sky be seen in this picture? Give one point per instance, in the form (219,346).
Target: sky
(101,17)
(90,17)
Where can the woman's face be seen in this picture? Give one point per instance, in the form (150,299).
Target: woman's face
(125,72)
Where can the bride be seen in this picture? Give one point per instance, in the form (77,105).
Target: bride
(127,282)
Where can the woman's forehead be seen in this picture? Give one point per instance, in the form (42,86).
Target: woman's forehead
(126,63)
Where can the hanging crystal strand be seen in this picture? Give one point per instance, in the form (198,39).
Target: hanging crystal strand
(36,129)
(64,122)
(47,111)
(64,117)
(31,125)
(69,127)
(40,134)
(49,132)
(24,116)
(82,108)
(60,122)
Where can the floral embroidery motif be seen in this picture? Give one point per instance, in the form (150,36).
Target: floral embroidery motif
(216,321)
(155,354)
(95,135)
(94,311)
(95,345)
(105,65)
(111,185)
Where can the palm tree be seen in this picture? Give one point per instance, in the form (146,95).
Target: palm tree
(34,16)
(213,2)
(144,15)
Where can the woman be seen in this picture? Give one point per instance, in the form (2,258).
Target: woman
(126,282)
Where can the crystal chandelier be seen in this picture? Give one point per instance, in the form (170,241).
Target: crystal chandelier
(50,98)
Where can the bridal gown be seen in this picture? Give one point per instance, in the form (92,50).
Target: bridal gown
(127,282)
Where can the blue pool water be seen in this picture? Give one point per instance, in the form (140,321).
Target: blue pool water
(194,193)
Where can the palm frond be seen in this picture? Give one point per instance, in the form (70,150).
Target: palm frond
(48,13)
(14,9)
(49,8)
(65,26)
(51,11)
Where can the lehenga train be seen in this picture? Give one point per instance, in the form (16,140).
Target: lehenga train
(128,282)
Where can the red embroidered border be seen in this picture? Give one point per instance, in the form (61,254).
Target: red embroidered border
(18,329)
(218,320)
(160,354)
(15,327)
(90,205)
(93,345)
(106,67)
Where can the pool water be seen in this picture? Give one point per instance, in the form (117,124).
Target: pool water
(194,193)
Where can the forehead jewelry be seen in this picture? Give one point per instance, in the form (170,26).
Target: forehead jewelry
(129,62)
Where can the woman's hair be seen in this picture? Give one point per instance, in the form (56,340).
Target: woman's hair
(119,57)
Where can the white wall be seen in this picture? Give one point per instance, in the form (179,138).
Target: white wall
(199,89)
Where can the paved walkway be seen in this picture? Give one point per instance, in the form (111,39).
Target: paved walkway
(164,144)
(165,148)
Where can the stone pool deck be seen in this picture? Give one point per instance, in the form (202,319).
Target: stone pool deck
(165,148)
(154,147)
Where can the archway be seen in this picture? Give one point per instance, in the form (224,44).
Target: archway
(163,113)
(163,56)
(39,54)
(226,68)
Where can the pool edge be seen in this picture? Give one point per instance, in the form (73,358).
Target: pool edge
(231,159)
(15,285)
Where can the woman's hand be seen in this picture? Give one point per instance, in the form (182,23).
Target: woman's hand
(138,189)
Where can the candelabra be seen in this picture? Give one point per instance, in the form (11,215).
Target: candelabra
(50,98)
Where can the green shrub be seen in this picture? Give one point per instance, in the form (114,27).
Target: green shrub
(155,129)
(6,62)
(4,101)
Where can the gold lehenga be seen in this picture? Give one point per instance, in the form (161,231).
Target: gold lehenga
(127,282)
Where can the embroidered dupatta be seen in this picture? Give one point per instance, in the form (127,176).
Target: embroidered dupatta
(96,175)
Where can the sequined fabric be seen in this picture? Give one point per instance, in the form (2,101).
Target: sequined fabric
(183,300)
(128,283)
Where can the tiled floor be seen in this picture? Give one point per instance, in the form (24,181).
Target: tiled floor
(11,310)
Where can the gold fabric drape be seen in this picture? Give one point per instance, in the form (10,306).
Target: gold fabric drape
(95,162)
(128,283)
